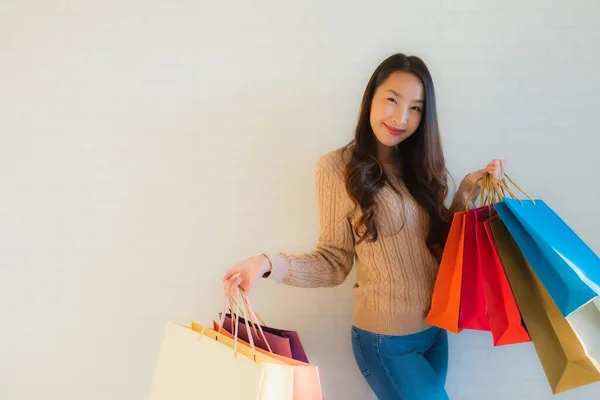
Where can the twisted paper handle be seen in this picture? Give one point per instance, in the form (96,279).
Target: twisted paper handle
(493,190)
(501,188)
(488,194)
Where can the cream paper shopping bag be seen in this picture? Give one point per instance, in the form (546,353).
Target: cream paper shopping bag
(193,366)
(278,377)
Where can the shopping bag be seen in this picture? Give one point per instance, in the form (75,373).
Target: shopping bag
(204,363)
(566,252)
(277,344)
(445,301)
(562,355)
(555,244)
(586,324)
(503,312)
(193,366)
(306,380)
(278,378)
(565,286)
(298,352)
(283,342)
(473,309)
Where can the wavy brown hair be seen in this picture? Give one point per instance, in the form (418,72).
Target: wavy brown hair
(420,156)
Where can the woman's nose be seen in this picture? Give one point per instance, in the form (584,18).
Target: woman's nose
(401,116)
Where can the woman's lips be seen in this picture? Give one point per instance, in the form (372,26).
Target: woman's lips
(394,131)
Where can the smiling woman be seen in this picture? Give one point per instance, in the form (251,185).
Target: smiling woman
(381,202)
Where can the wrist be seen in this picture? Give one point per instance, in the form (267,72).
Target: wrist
(264,264)
(476,176)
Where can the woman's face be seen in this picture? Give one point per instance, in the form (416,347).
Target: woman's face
(397,108)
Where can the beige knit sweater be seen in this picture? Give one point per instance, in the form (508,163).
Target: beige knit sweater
(394,275)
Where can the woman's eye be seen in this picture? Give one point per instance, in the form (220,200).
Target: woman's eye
(417,108)
(392,100)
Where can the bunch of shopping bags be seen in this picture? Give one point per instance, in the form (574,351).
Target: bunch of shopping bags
(513,267)
(237,358)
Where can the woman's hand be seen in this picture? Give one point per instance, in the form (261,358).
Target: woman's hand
(245,274)
(494,168)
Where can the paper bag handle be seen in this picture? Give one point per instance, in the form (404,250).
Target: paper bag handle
(240,304)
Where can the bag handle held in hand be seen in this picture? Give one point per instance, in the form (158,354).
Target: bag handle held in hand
(501,187)
(493,190)
(239,304)
(488,192)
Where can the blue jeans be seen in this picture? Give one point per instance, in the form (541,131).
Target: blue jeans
(409,367)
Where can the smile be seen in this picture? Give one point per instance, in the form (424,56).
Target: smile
(394,131)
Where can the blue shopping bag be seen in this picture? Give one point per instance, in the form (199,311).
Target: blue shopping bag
(567,268)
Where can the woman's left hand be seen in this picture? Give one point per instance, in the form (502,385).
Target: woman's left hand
(494,168)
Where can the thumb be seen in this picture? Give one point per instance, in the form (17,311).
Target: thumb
(502,166)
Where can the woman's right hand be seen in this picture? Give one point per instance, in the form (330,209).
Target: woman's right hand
(245,274)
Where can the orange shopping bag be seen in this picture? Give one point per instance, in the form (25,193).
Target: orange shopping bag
(445,302)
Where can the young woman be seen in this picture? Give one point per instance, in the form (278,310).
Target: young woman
(382,208)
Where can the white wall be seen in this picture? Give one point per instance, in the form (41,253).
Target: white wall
(146,146)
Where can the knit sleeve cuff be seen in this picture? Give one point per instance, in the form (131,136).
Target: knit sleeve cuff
(279,269)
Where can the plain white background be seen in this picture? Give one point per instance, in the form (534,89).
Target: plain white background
(147,146)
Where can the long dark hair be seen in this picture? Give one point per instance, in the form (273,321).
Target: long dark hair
(420,157)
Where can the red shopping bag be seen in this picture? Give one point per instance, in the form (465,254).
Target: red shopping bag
(503,313)
(473,309)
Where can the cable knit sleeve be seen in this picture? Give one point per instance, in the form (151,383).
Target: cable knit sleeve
(465,196)
(333,258)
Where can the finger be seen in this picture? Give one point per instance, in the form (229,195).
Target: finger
(231,276)
(230,273)
(227,287)
(237,286)
(233,284)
